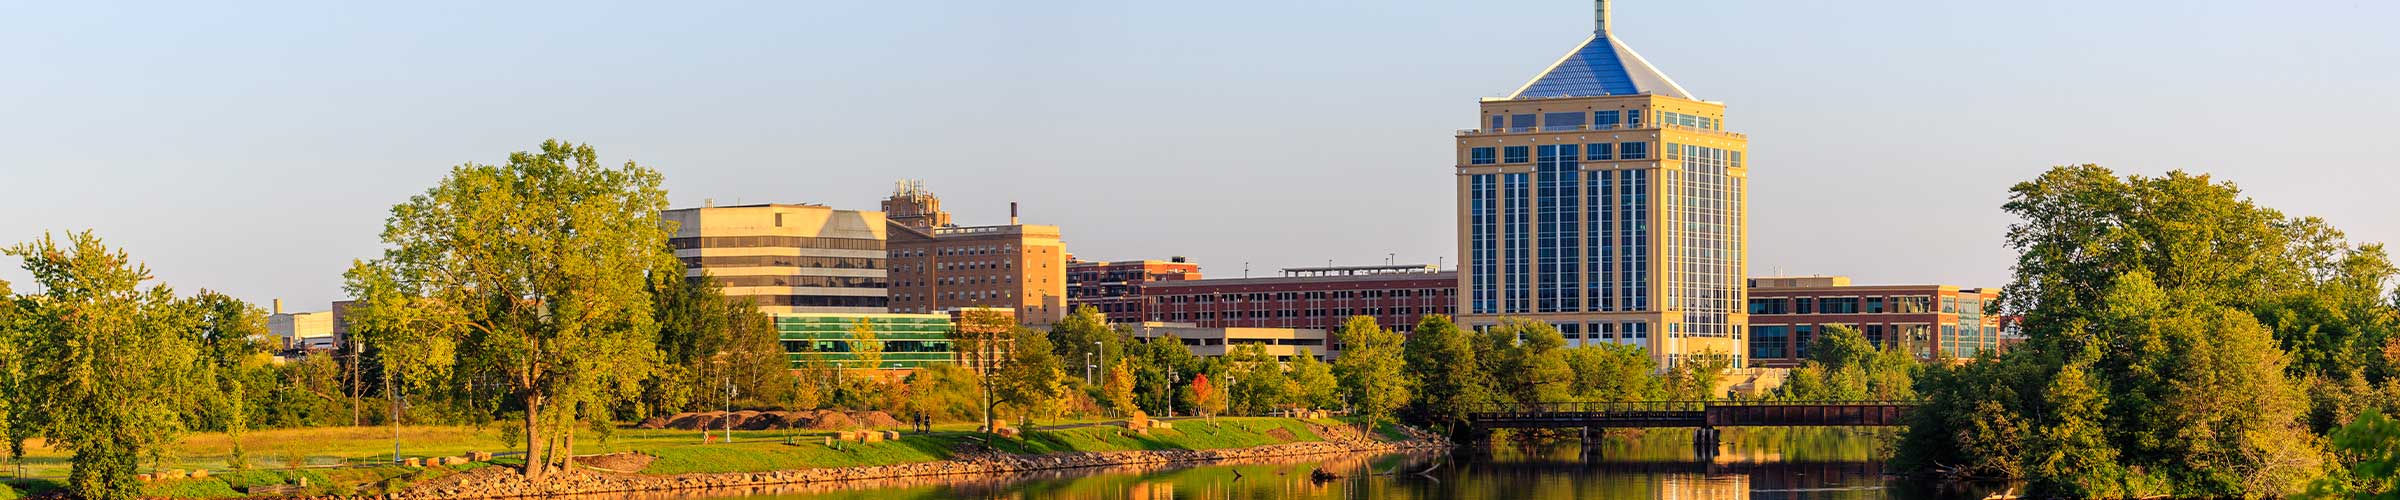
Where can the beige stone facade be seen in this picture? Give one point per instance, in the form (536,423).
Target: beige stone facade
(790,259)
(1282,343)
(936,268)
(303,330)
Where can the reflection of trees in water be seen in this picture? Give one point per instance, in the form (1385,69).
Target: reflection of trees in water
(1658,464)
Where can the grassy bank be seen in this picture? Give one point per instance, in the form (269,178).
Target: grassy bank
(356,460)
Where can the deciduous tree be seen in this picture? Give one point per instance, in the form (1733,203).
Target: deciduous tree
(108,363)
(1313,383)
(536,271)
(1370,369)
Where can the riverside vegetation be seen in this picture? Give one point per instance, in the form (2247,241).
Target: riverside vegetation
(2181,341)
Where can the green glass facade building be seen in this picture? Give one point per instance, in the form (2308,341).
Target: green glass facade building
(910,341)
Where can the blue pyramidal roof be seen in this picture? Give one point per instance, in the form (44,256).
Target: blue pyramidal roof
(1602,66)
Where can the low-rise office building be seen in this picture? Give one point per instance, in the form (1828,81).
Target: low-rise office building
(1934,321)
(790,259)
(1313,297)
(306,331)
(1282,343)
(1115,288)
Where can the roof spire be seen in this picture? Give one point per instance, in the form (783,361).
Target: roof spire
(1600,13)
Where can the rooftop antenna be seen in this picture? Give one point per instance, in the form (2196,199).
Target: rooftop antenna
(1600,13)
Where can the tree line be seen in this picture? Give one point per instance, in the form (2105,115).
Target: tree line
(2182,340)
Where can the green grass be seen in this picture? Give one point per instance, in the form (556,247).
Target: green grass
(367,452)
(191,488)
(763,455)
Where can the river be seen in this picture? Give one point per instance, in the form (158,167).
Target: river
(1659,464)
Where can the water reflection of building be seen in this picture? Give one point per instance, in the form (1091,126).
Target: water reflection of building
(1702,487)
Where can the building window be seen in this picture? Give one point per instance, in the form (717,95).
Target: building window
(1605,120)
(1518,154)
(1483,156)
(1498,124)
(1874,305)
(1601,151)
(1633,118)
(1770,341)
(1634,151)
(1562,121)
(1520,123)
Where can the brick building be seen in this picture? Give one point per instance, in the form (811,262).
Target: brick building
(1317,297)
(1115,288)
(936,266)
(1936,321)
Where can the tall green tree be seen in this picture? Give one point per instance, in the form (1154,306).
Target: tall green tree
(1449,381)
(1258,383)
(1033,381)
(1161,366)
(867,349)
(982,339)
(1117,390)
(2371,446)
(1527,362)
(2071,454)
(1313,384)
(2175,297)
(108,363)
(1613,372)
(706,341)
(1844,366)
(233,346)
(1370,369)
(535,271)
(944,391)
(1085,337)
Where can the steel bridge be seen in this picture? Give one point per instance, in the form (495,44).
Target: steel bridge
(1703,416)
(1695,414)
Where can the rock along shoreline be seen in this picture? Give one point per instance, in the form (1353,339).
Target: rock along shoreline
(505,482)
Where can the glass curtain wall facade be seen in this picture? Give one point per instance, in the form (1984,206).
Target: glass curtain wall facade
(909,341)
(1605,200)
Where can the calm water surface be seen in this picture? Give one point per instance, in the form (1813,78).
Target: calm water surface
(1661,464)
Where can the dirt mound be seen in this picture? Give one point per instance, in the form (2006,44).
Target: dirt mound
(876,420)
(832,421)
(652,423)
(627,462)
(1281,434)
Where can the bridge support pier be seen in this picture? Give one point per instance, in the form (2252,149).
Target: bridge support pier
(1704,442)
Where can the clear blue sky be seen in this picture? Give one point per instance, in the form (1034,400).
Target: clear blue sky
(254,148)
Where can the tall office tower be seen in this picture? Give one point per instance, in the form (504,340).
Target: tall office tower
(1606,200)
(790,259)
(937,266)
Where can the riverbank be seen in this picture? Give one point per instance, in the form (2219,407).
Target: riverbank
(1069,449)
